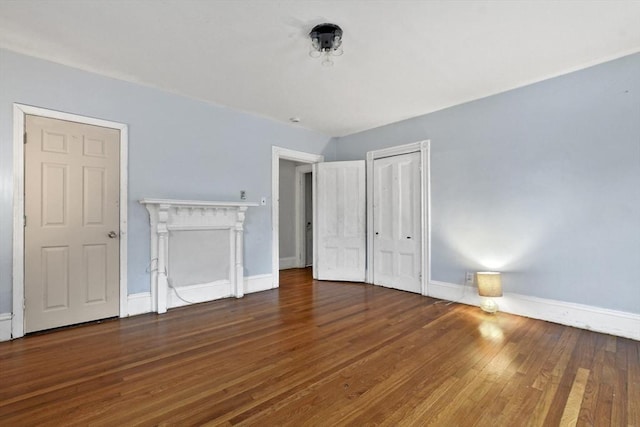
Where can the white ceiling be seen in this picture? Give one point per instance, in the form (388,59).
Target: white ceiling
(402,58)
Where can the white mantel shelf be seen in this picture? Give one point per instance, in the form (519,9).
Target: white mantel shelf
(196,203)
(167,215)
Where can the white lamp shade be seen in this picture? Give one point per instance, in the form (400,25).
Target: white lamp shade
(489,284)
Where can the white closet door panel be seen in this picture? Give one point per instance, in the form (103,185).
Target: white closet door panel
(396,220)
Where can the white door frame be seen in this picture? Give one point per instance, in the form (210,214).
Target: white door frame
(19,113)
(425,212)
(301,224)
(277,154)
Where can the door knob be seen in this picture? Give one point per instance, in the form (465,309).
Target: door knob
(112,234)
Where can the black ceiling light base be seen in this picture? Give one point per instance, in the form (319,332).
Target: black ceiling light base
(326,36)
(326,39)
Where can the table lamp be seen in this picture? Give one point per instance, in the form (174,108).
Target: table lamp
(489,287)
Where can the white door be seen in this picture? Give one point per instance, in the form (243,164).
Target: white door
(396,220)
(340,224)
(72,223)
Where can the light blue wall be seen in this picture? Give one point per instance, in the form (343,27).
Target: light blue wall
(541,182)
(178,148)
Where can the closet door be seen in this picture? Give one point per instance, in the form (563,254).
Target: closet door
(397,237)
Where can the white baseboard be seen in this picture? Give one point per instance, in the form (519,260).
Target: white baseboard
(140,303)
(453,292)
(193,294)
(5,326)
(289,262)
(260,282)
(597,319)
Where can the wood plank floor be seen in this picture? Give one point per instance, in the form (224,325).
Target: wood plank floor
(326,354)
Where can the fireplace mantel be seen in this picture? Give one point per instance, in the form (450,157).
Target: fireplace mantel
(174,216)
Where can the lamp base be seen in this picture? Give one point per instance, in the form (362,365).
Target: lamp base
(489,305)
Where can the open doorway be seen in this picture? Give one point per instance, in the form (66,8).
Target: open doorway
(298,158)
(296,215)
(291,236)
(308,218)
(304,217)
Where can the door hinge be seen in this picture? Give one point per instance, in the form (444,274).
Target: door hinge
(25,221)
(24,140)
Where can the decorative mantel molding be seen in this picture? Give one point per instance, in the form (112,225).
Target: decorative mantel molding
(186,215)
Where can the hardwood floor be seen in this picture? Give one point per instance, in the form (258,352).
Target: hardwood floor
(321,353)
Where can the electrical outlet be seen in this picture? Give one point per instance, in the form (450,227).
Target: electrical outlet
(469,279)
(243,195)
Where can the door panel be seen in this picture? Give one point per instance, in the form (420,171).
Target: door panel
(95,272)
(55,277)
(94,196)
(71,204)
(54,194)
(341,221)
(397,236)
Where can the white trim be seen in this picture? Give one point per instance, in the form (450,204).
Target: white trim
(289,262)
(278,153)
(19,113)
(301,226)
(257,283)
(196,203)
(425,213)
(5,326)
(140,303)
(202,292)
(582,316)
(453,292)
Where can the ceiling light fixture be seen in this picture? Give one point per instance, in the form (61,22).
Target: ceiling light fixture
(326,41)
